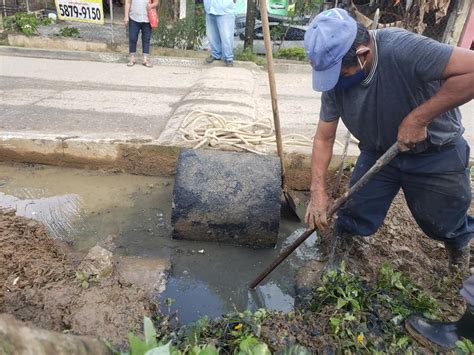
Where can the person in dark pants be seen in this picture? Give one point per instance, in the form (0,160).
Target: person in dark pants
(136,18)
(388,86)
(446,334)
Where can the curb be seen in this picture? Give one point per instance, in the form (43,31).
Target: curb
(73,49)
(134,156)
(108,56)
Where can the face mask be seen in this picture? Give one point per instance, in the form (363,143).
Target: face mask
(346,82)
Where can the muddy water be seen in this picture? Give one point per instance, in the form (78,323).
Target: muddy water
(84,207)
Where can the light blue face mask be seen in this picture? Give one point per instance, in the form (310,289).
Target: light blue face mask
(346,82)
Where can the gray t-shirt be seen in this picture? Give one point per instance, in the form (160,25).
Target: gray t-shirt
(138,11)
(407,71)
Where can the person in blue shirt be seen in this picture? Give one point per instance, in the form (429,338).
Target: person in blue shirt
(220,23)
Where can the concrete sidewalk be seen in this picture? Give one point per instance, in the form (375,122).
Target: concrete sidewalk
(96,102)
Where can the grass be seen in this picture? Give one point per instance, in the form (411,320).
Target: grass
(247,55)
(296,53)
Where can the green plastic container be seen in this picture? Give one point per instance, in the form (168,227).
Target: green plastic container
(277,7)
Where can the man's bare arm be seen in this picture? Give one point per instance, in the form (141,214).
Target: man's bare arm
(457,89)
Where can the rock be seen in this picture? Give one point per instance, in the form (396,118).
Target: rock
(146,273)
(309,275)
(109,243)
(19,338)
(98,262)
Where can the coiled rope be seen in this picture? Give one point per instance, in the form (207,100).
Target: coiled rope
(201,128)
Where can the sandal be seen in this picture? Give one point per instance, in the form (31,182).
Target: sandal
(147,64)
(131,63)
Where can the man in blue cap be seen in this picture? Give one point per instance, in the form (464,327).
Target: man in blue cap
(389,86)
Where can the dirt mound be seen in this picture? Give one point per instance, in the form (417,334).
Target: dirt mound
(38,284)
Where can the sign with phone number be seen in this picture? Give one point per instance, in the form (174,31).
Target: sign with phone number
(80,10)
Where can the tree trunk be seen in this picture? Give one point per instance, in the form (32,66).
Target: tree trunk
(250,24)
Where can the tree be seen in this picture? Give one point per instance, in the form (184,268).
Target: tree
(250,24)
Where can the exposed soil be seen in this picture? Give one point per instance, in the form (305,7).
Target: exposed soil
(38,285)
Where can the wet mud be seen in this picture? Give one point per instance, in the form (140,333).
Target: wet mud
(38,285)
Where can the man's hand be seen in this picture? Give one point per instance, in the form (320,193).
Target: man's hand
(317,210)
(125,21)
(411,132)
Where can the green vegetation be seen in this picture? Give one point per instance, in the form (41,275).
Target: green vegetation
(296,53)
(185,33)
(351,316)
(24,22)
(464,346)
(234,334)
(247,55)
(69,32)
(371,317)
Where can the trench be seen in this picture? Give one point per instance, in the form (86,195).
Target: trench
(84,207)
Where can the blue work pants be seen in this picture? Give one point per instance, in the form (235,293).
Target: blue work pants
(437,188)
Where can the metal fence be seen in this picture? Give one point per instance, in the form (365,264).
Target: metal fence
(113,31)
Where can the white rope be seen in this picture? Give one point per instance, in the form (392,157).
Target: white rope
(204,128)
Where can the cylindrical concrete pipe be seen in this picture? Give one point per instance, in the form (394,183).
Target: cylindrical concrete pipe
(227,197)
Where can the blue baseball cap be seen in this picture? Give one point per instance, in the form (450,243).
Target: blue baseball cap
(327,40)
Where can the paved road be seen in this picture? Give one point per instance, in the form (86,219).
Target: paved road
(94,100)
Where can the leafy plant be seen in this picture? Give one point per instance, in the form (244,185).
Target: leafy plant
(464,346)
(69,32)
(370,316)
(45,21)
(85,279)
(23,22)
(185,33)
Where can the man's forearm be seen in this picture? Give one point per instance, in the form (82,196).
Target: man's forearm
(455,91)
(321,157)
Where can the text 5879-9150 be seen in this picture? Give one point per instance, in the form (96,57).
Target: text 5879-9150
(80,12)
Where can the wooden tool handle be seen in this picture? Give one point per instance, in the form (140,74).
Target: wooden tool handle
(379,164)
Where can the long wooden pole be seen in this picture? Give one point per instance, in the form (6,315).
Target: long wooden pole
(379,164)
(347,140)
(271,79)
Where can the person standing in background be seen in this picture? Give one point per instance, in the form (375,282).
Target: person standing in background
(220,23)
(136,18)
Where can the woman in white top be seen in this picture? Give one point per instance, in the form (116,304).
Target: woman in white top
(136,18)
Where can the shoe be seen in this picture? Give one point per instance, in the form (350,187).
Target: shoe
(229,63)
(441,334)
(458,259)
(210,59)
(341,245)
